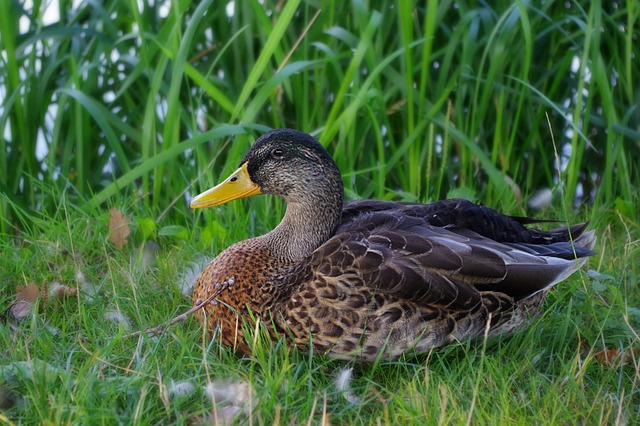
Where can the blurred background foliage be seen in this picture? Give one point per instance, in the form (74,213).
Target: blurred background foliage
(415,100)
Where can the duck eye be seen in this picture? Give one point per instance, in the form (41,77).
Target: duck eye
(277,153)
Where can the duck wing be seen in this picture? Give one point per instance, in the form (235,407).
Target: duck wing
(403,254)
(465,214)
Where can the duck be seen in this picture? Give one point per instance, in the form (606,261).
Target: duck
(369,280)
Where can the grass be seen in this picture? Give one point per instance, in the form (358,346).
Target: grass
(469,94)
(135,104)
(68,362)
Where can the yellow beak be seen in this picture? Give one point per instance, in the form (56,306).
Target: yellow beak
(238,185)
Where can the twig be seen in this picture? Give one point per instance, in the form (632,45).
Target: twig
(220,287)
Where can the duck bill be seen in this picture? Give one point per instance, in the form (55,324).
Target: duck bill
(238,185)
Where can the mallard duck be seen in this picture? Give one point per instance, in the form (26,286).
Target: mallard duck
(365,280)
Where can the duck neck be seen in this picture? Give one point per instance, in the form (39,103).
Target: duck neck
(306,225)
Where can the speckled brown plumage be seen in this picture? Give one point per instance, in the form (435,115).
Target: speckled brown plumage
(373,278)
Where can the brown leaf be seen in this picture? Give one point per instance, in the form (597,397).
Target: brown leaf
(118,228)
(607,356)
(617,357)
(27,297)
(29,293)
